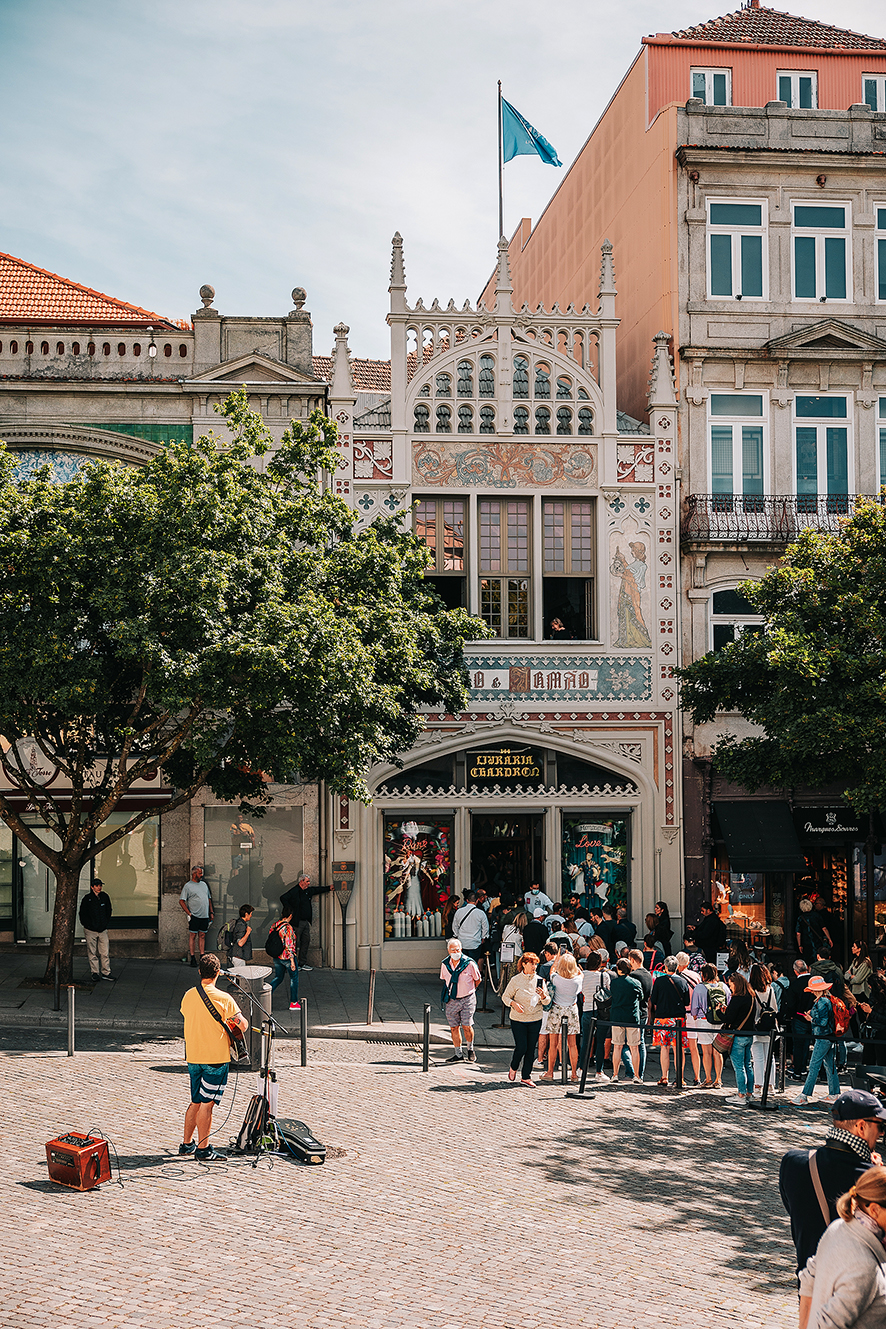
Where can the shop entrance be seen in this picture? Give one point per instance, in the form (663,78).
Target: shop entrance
(507,853)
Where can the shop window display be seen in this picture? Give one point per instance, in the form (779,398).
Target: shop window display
(595,858)
(417,875)
(751,904)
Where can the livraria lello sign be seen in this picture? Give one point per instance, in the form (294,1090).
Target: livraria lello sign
(506,766)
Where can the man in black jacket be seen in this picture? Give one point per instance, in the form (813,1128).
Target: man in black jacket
(298,900)
(95,915)
(795,1001)
(859,1118)
(709,934)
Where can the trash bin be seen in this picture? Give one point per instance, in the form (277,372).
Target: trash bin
(251,977)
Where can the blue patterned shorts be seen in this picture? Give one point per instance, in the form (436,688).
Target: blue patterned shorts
(207,1082)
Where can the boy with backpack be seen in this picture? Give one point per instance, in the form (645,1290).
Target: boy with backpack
(281,947)
(829,1019)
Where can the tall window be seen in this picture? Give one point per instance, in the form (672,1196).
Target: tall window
(821,247)
(736,236)
(505,585)
(440,523)
(736,422)
(731,615)
(881,254)
(799,88)
(881,440)
(873,88)
(821,433)
(569,539)
(712,86)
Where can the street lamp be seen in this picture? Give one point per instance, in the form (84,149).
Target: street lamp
(152,347)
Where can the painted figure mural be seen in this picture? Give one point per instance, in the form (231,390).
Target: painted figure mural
(632,630)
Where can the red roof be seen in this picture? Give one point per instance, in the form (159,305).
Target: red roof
(368,375)
(770,27)
(32,295)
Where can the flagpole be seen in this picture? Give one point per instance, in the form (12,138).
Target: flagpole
(501,220)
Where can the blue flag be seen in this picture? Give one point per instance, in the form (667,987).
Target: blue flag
(518,138)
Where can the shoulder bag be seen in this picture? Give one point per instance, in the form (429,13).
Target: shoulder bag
(723,1039)
(603,999)
(239,1051)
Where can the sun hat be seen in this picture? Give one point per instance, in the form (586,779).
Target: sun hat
(817,984)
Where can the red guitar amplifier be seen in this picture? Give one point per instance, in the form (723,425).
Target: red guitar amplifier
(81,1161)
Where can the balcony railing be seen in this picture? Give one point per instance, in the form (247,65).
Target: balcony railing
(774,518)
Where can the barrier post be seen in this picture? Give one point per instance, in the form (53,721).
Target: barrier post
(371,1004)
(564,1035)
(56,983)
(71,1020)
(586,1055)
(765,1105)
(303,1031)
(782,1060)
(426,1039)
(486,979)
(680,1028)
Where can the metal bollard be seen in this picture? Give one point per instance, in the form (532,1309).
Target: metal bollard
(370,1011)
(426,1039)
(303,1031)
(70,1021)
(782,1060)
(486,977)
(57,996)
(678,1055)
(564,1035)
(586,1058)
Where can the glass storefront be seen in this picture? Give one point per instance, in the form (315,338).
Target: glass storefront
(595,858)
(417,874)
(130,870)
(251,861)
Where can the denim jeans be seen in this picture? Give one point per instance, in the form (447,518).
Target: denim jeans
(281,969)
(822,1052)
(801,1042)
(626,1057)
(742,1064)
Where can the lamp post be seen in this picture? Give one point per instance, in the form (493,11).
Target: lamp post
(152,349)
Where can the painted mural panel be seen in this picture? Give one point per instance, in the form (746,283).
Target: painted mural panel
(534,464)
(629,590)
(535,678)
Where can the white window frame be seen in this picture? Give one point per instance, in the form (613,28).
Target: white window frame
(709,83)
(795,75)
(736,232)
(880,80)
(820,423)
(820,234)
(741,622)
(736,422)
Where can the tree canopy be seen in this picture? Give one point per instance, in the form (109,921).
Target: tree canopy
(814,680)
(214,617)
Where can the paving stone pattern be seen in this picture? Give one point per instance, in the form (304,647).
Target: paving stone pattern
(459,1200)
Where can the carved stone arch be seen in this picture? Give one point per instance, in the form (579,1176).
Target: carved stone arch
(100,443)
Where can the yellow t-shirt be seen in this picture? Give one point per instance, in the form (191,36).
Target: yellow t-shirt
(206,1043)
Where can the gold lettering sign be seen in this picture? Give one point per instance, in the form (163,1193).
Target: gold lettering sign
(506,766)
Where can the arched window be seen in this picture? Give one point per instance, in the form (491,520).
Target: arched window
(13,348)
(583,395)
(136,348)
(487,376)
(465,378)
(29,347)
(106,348)
(521,377)
(542,382)
(542,420)
(44,348)
(422,419)
(60,348)
(521,420)
(167,350)
(425,390)
(444,385)
(465,420)
(487,419)
(121,348)
(183,351)
(585,420)
(444,420)
(564,420)
(564,387)
(75,348)
(90,349)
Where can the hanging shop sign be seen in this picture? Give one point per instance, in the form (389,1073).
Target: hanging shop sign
(818,825)
(506,766)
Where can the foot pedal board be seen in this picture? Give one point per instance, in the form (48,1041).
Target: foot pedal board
(297,1141)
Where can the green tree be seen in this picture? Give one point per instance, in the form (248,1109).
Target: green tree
(814,680)
(211,618)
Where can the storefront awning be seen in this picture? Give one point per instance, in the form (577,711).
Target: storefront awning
(760,837)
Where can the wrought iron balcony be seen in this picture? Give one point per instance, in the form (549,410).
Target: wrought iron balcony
(769,518)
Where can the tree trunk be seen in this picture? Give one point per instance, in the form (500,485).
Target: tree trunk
(64,921)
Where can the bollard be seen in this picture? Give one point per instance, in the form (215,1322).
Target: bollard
(426,1039)
(71,1021)
(782,1061)
(371,1006)
(56,983)
(564,1034)
(586,1058)
(303,1031)
(486,977)
(678,1055)
(764,1104)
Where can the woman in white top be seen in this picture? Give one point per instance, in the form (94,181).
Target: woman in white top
(526,996)
(765,1011)
(843,1285)
(565,979)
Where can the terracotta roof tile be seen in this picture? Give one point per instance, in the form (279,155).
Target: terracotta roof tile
(32,295)
(368,375)
(770,27)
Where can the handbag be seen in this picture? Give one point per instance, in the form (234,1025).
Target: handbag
(723,1039)
(603,1001)
(240,1057)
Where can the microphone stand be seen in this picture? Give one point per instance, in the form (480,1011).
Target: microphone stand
(268,1025)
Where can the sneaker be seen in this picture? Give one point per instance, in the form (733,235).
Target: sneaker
(107,978)
(471,1054)
(306,968)
(209,1155)
(831,1098)
(800,1101)
(95,978)
(295,1005)
(601,1075)
(190,1148)
(193,962)
(456,1056)
(736,1100)
(528,1084)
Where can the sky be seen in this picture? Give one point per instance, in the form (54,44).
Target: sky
(259,145)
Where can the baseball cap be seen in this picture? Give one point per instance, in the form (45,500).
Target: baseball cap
(621,946)
(97,881)
(817,984)
(539,913)
(858,1104)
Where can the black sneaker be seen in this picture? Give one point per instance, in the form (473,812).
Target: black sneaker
(107,978)
(456,1056)
(209,1155)
(95,978)
(193,963)
(471,1054)
(190,1148)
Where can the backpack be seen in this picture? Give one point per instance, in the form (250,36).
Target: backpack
(274,945)
(842,1016)
(716,1003)
(225,938)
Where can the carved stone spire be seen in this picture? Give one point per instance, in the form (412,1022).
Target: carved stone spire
(503,286)
(661,379)
(397,288)
(607,270)
(342,386)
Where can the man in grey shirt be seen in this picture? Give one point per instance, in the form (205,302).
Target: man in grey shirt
(470,925)
(196,901)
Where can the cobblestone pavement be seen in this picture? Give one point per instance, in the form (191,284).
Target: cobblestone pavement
(630,1209)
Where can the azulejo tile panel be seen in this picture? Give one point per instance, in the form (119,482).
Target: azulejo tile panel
(440,461)
(65,465)
(539,678)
